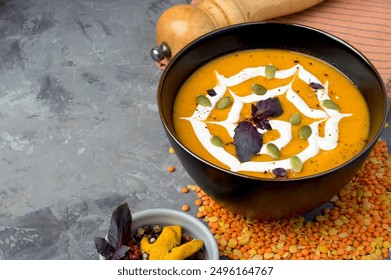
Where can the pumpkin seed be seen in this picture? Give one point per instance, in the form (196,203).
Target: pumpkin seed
(203,100)
(295,119)
(215,140)
(296,163)
(329,104)
(305,132)
(258,89)
(270,71)
(273,150)
(223,103)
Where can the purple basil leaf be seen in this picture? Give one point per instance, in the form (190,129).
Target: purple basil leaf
(316,86)
(247,141)
(270,107)
(279,172)
(254,110)
(103,247)
(264,124)
(211,92)
(122,251)
(120,229)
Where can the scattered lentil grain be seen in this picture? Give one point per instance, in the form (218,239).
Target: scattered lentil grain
(357,227)
(185,207)
(185,190)
(171,168)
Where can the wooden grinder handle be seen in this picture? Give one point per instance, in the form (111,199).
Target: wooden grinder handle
(181,24)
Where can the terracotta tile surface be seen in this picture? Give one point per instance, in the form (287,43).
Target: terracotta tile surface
(365,25)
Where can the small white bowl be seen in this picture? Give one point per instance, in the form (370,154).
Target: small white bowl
(190,225)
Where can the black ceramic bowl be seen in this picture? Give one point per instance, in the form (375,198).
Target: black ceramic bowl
(271,198)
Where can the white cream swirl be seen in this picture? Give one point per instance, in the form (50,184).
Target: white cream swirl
(315,142)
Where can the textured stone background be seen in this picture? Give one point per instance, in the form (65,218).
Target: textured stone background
(79,128)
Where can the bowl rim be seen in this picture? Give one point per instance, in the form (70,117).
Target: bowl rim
(238,26)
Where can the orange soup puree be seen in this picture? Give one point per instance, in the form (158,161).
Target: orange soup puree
(271,113)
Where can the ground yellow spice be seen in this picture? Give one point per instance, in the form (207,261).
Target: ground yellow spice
(168,245)
(357,227)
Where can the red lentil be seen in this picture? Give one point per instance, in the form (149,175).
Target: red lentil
(357,227)
(185,207)
(198,202)
(185,190)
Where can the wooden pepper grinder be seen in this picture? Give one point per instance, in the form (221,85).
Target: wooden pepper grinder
(181,24)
